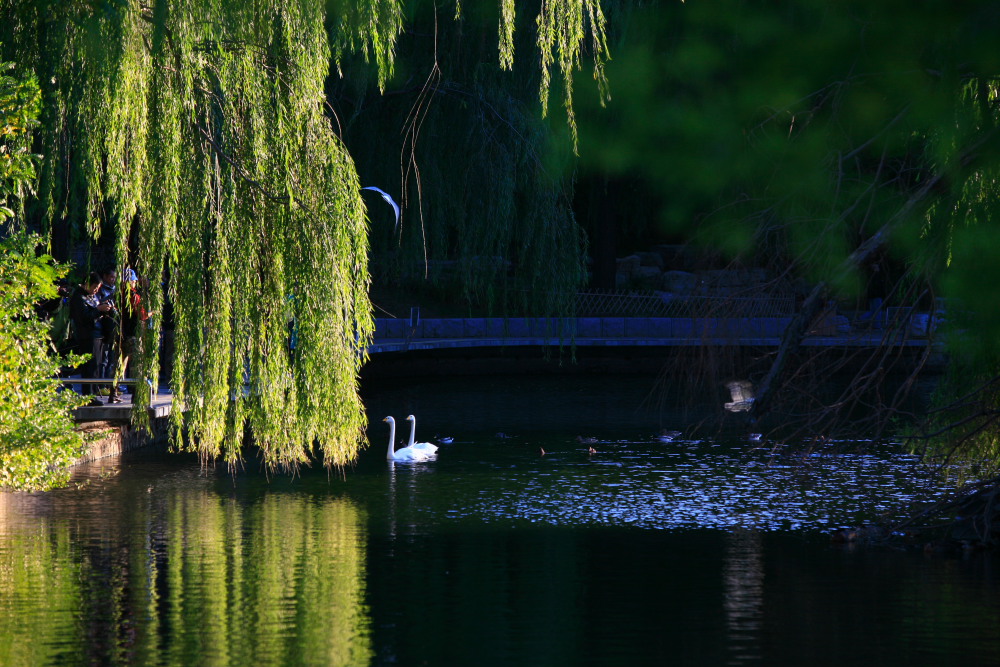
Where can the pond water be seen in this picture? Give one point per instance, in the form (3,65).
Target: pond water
(711,551)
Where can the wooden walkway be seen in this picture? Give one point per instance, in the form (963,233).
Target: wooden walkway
(122,412)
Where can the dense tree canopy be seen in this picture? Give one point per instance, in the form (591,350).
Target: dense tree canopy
(199,133)
(37,439)
(487,214)
(222,145)
(853,144)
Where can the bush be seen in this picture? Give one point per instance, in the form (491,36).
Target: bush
(37,436)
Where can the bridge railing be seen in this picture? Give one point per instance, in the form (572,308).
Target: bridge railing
(600,303)
(570,329)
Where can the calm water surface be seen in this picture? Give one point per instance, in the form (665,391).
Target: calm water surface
(702,551)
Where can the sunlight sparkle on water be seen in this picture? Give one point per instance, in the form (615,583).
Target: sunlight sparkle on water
(693,485)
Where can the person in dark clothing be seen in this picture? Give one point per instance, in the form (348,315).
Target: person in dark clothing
(109,323)
(109,284)
(85,312)
(48,309)
(133,314)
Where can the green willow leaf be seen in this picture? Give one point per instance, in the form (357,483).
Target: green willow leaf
(199,131)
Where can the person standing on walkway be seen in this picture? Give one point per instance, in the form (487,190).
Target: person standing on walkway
(133,313)
(85,312)
(109,323)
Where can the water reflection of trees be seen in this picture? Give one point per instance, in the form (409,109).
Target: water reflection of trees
(743,577)
(178,575)
(34,576)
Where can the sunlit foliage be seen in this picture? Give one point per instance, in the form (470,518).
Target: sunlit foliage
(562,32)
(199,131)
(37,438)
(199,128)
(19,107)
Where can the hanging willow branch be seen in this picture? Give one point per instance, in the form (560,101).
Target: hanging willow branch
(208,140)
(562,33)
(198,129)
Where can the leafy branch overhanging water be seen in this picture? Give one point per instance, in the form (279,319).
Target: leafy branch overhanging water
(198,131)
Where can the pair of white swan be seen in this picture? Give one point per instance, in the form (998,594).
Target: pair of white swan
(414,451)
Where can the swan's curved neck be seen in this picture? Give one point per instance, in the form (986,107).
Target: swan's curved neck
(413,432)
(392,439)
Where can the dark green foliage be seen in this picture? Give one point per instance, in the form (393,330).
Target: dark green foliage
(37,436)
(481,175)
(797,127)
(853,144)
(200,132)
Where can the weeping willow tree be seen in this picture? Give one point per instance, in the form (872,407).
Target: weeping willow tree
(198,130)
(485,178)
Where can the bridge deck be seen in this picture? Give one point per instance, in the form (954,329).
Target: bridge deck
(399,335)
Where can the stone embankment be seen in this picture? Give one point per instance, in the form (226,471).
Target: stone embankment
(111,438)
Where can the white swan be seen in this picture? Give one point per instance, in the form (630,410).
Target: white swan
(422,446)
(405,453)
